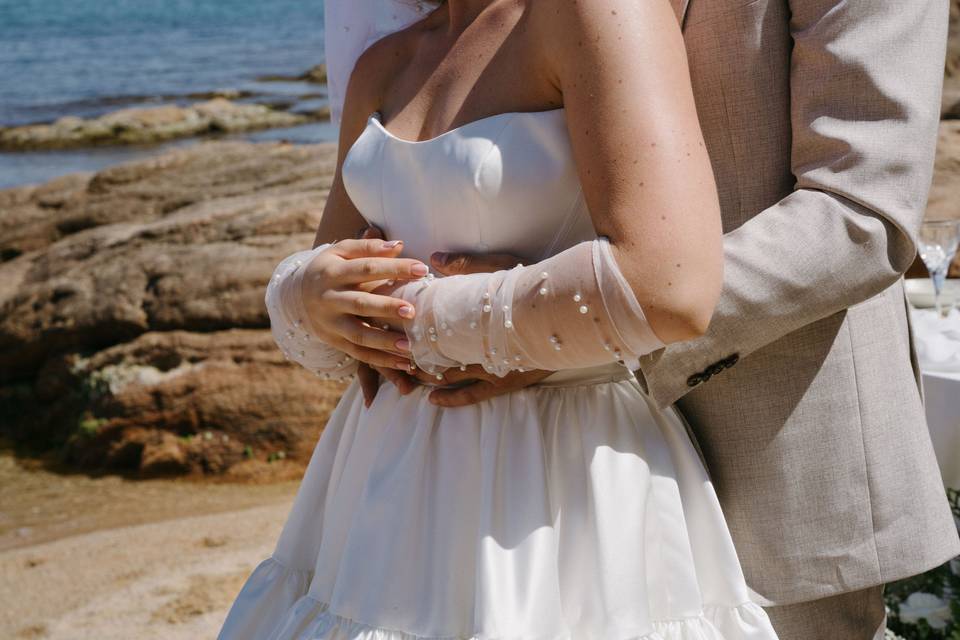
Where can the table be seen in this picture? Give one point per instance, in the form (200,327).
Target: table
(936,339)
(942,394)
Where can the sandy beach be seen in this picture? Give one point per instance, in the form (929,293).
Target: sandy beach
(171,580)
(108,558)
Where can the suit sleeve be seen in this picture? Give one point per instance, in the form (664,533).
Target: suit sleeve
(866,78)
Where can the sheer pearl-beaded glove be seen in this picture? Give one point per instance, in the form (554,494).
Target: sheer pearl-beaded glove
(572,310)
(288,322)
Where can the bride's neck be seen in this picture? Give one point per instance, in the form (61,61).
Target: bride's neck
(460,13)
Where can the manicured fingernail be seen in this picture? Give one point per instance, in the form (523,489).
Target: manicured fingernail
(419,269)
(440,257)
(403,344)
(392,243)
(403,365)
(405,311)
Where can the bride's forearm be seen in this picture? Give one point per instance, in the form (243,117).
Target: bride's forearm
(572,310)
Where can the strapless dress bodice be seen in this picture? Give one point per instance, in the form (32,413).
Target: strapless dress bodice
(506,183)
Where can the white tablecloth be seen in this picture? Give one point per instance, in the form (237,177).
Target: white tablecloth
(938,347)
(942,393)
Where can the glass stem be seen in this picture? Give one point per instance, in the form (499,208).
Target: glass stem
(938,276)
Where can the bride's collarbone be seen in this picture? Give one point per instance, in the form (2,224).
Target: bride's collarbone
(429,98)
(433,109)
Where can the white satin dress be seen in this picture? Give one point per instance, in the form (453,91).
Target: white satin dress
(570,510)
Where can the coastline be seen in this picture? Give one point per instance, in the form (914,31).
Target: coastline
(94,134)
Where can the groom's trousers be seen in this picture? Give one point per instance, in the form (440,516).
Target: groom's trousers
(856,615)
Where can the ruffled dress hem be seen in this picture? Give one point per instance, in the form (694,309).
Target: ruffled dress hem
(279,588)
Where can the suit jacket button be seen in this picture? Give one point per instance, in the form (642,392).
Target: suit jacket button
(694,380)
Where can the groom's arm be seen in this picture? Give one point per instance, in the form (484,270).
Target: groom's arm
(866,78)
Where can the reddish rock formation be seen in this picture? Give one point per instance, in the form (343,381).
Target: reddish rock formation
(951,87)
(133,333)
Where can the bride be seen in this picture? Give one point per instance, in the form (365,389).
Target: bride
(564,132)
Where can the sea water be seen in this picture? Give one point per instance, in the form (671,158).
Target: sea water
(88,57)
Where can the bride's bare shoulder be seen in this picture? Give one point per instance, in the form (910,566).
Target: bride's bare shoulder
(372,71)
(571,35)
(568,27)
(378,65)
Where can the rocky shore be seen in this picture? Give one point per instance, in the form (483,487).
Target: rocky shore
(951,86)
(133,335)
(213,112)
(152,125)
(316,73)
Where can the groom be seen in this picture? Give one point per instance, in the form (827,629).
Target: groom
(820,117)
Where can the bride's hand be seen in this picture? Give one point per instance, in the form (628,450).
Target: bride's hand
(337,304)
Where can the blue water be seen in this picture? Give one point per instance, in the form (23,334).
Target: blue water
(87,57)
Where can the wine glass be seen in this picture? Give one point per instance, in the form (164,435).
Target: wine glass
(938,246)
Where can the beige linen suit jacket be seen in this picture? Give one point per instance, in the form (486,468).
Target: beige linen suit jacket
(804,395)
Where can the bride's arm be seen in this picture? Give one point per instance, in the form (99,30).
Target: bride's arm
(649,186)
(640,155)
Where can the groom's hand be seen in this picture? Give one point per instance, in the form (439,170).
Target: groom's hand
(450,264)
(480,385)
